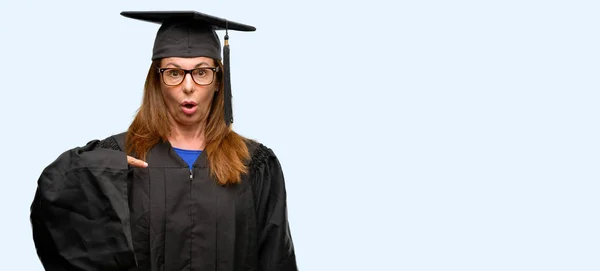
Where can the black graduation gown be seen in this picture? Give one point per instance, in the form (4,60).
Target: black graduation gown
(92,211)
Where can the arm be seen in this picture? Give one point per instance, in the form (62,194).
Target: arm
(276,249)
(80,215)
(45,247)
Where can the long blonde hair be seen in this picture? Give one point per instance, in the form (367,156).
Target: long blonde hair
(225,149)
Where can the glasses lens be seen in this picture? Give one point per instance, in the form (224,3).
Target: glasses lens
(203,76)
(173,76)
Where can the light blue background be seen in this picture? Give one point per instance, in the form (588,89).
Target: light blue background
(414,135)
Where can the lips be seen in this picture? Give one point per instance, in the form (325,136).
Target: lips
(189,107)
(188,104)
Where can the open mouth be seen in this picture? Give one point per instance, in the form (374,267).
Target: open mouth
(189,105)
(189,108)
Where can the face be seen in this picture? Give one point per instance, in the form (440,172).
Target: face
(188,103)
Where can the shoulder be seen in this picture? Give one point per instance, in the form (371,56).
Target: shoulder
(266,177)
(96,153)
(265,170)
(114,142)
(260,155)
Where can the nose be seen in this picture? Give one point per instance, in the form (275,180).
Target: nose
(188,84)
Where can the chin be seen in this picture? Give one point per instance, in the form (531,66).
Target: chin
(190,120)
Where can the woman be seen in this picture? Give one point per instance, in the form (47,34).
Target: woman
(179,190)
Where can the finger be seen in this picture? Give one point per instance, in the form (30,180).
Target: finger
(136,162)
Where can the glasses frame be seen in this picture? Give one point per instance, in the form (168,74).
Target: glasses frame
(185,73)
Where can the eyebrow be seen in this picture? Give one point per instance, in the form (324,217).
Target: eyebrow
(173,64)
(179,67)
(201,63)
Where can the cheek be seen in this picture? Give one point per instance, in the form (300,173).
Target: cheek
(207,97)
(168,95)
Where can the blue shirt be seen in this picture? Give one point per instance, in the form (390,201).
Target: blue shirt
(189,156)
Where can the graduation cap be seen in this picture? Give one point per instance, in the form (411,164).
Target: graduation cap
(192,34)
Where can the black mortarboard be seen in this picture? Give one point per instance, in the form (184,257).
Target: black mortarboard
(192,34)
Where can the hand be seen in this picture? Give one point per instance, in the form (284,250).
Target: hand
(136,162)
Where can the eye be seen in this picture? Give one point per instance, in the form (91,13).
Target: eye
(173,73)
(200,72)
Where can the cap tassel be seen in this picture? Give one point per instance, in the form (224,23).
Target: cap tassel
(227,79)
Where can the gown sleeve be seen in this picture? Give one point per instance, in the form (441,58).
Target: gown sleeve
(275,247)
(80,214)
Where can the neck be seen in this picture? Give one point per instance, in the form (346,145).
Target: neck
(190,137)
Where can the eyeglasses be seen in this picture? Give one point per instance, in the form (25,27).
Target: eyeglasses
(201,76)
